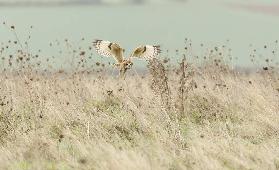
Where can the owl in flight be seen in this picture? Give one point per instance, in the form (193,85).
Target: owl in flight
(109,49)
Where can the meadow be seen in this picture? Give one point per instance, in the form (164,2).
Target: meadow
(199,113)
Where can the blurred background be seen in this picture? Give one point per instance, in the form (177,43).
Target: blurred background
(241,25)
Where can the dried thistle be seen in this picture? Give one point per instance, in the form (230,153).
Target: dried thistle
(186,84)
(159,83)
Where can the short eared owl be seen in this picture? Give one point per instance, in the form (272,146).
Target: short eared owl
(109,49)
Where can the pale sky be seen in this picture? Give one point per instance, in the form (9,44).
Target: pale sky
(210,22)
(266,7)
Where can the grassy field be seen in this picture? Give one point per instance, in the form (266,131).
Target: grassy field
(190,118)
(198,114)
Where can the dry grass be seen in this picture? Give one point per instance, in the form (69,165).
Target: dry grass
(85,122)
(193,116)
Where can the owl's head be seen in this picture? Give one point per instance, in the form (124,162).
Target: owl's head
(128,64)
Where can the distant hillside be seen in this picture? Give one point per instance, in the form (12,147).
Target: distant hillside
(47,2)
(74,2)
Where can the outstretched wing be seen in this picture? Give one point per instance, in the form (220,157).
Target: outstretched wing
(109,49)
(146,52)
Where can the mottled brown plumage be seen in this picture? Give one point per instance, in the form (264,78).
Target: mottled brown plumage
(109,49)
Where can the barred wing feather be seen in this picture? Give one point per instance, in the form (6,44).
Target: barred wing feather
(109,49)
(146,52)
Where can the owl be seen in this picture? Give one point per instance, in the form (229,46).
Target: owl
(110,49)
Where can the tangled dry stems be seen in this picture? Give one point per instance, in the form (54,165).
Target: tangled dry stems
(189,117)
(85,121)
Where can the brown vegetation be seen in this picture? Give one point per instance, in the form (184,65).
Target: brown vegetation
(191,116)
